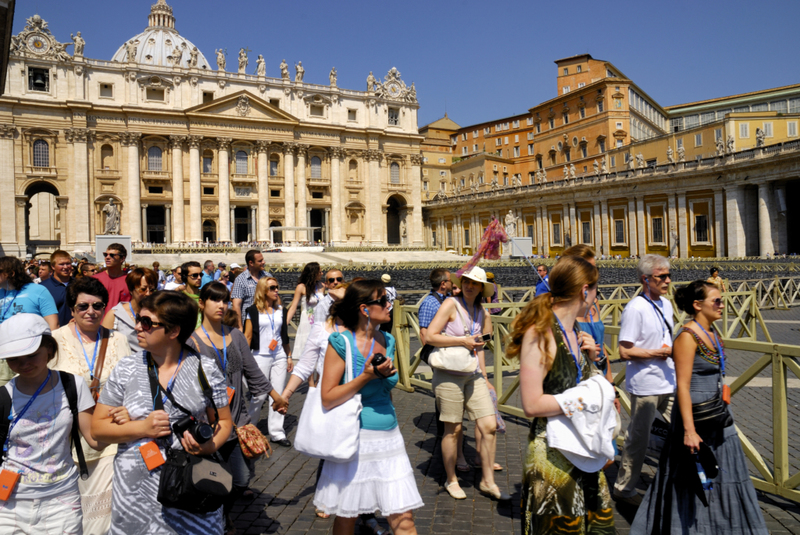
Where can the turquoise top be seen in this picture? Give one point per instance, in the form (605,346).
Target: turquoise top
(598,331)
(378,412)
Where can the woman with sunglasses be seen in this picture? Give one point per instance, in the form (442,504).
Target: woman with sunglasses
(82,352)
(225,278)
(677,501)
(164,323)
(380,477)
(266,330)
(141,282)
(229,349)
(308,293)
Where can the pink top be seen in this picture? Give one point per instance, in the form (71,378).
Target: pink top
(456,327)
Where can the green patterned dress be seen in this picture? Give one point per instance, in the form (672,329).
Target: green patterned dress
(557,497)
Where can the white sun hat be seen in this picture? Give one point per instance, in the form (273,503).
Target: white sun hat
(478,275)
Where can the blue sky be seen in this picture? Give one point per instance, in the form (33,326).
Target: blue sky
(479,60)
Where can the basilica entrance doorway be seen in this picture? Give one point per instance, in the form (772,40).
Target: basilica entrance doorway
(241,224)
(277,236)
(42,216)
(792,219)
(209,231)
(396,203)
(156,224)
(317,219)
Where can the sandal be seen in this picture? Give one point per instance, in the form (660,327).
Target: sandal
(463,467)
(248,493)
(321,514)
(456,493)
(497,466)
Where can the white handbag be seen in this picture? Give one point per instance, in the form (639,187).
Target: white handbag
(330,434)
(454,358)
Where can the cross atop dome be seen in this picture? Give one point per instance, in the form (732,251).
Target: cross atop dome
(161,16)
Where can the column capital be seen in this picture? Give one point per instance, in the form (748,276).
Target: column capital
(176,142)
(416,159)
(337,152)
(62,202)
(22,200)
(262,146)
(7,131)
(224,143)
(144,206)
(194,141)
(289,147)
(78,135)
(372,155)
(168,206)
(302,149)
(130,139)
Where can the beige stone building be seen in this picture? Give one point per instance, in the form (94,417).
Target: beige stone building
(159,145)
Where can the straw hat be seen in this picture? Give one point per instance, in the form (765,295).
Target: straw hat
(478,275)
(386,278)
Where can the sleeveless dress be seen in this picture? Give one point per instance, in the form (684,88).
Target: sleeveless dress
(671,504)
(557,497)
(306,320)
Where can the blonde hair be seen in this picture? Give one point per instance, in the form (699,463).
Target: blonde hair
(262,293)
(567,279)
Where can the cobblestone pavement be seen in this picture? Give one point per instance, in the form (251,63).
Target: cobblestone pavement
(284,484)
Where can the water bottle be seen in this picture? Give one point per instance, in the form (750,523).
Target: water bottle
(707,485)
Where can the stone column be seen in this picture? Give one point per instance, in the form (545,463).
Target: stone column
(168,223)
(302,193)
(253,222)
(415,231)
(335,223)
(131,139)
(326,226)
(260,231)
(288,190)
(144,222)
(177,234)
(573,225)
(671,228)
(719,226)
(765,245)
(632,244)
(604,223)
(21,208)
(224,146)
(598,231)
(545,231)
(373,194)
(640,228)
(62,212)
(232,222)
(683,226)
(539,231)
(78,138)
(735,218)
(8,224)
(195,190)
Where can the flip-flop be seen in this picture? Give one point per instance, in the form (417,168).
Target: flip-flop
(321,514)
(463,467)
(497,466)
(248,493)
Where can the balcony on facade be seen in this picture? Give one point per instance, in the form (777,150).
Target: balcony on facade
(107,174)
(41,172)
(156,176)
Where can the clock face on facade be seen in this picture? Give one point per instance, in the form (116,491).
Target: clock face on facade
(393,88)
(38,44)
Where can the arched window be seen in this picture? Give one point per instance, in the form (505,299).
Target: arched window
(106,156)
(273,166)
(41,153)
(394,173)
(154,159)
(353,170)
(208,161)
(316,167)
(241,162)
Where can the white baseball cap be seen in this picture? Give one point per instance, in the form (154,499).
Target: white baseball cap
(235,266)
(21,334)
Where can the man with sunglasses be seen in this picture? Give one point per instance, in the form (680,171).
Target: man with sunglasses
(113,278)
(192,274)
(645,343)
(331,279)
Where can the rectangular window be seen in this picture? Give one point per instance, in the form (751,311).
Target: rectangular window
(552,123)
(207,164)
(530,121)
(394,116)
(600,106)
(464,150)
(791,129)
(498,141)
(317,195)
(487,130)
(619,125)
(613,161)
(701,228)
(556,233)
(208,96)
(744,130)
(679,142)
(516,138)
(273,168)
(505,140)
(530,231)
(505,126)
(583,151)
(619,143)
(498,128)
(475,147)
(155,94)
(566,71)
(516,152)
(530,136)
(208,191)
(516,124)
(466,237)
(619,231)
(352,115)
(579,68)
(449,237)
(274,193)
(530,148)
(692,121)
(425,185)
(155,190)
(698,140)
(474,134)
(433,237)
(38,79)
(565,90)
(717,134)
(586,231)
(464,136)
(582,112)
(768,129)
(602,145)
(658,229)
(581,84)
(106,90)
(538,128)
(565,117)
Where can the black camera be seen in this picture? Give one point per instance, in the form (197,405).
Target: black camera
(201,432)
(378,359)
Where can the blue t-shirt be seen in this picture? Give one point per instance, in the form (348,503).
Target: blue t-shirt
(32,299)
(378,412)
(206,279)
(59,292)
(543,286)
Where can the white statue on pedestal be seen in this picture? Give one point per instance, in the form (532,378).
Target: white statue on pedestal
(112,218)
(511,224)
(670,155)
(261,66)
(572,170)
(284,70)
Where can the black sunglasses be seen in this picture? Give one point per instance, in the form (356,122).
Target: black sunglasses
(113,255)
(194,275)
(273,288)
(716,302)
(382,301)
(83,307)
(147,323)
(335,279)
(663,277)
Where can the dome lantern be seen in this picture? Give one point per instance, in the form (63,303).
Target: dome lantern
(161,16)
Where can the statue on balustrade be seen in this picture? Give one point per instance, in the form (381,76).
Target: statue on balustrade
(243,60)
(731,143)
(572,170)
(193,55)
(371,81)
(670,155)
(640,161)
(261,66)
(130,48)
(596,167)
(332,76)
(760,137)
(681,154)
(603,166)
(79,44)
(300,72)
(284,70)
(112,218)
(221,61)
(511,224)
(566,172)
(720,144)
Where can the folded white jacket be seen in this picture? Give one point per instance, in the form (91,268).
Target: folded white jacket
(585,431)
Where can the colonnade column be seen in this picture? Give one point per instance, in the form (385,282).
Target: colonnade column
(21,207)
(303,218)
(232,213)
(671,229)
(765,245)
(326,226)
(144,222)
(335,224)
(253,222)
(573,225)
(642,235)
(177,234)
(168,223)
(195,190)
(131,139)
(288,190)
(8,224)
(260,232)
(374,205)
(598,230)
(604,227)
(224,145)
(545,232)
(683,230)
(78,138)
(735,218)
(415,234)
(632,244)
(719,233)
(62,213)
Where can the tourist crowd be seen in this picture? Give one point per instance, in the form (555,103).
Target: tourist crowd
(129,396)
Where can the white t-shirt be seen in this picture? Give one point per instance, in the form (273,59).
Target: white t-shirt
(269,326)
(39,445)
(642,325)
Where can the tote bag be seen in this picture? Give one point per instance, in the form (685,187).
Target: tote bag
(330,434)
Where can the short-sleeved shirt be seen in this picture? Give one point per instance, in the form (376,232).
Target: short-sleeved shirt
(206,279)
(643,326)
(428,309)
(377,413)
(196,298)
(31,299)
(543,286)
(117,288)
(59,292)
(244,288)
(39,445)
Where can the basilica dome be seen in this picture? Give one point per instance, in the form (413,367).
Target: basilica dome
(160,44)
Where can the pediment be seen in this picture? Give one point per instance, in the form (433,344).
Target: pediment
(242,105)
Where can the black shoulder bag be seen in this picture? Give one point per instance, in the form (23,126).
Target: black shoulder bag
(189,482)
(426,350)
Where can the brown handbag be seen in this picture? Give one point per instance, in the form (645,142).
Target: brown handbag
(252,441)
(94,386)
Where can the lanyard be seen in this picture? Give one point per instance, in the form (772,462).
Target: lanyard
(133,314)
(569,346)
(272,322)
(223,359)
(15,419)
(9,306)
(718,345)
(85,356)
(474,323)
(659,314)
(170,382)
(366,358)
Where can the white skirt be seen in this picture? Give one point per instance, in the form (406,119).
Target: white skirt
(380,478)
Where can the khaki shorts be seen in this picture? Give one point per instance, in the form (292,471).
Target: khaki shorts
(454,393)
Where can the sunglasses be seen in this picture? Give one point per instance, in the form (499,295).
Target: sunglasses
(194,275)
(83,307)
(90,271)
(147,323)
(382,301)
(335,279)
(273,288)
(663,277)
(112,255)
(717,302)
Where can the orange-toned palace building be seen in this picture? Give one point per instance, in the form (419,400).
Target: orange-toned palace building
(602,163)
